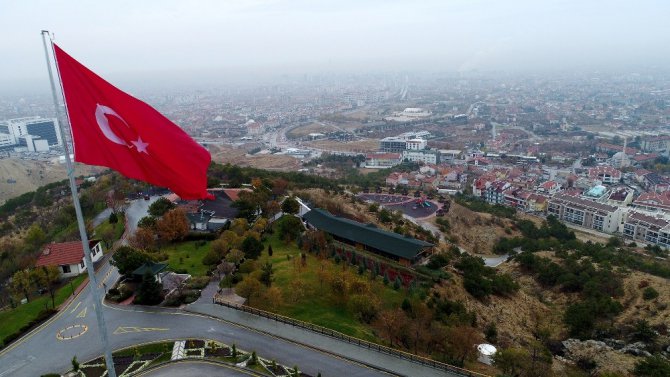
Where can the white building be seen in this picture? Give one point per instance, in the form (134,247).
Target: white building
(416,144)
(69,256)
(43,128)
(585,213)
(426,156)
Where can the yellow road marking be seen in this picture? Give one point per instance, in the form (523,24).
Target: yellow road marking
(82,313)
(75,308)
(132,329)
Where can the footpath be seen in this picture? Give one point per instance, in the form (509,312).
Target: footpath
(324,343)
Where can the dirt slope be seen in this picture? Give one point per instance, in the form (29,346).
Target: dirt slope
(29,175)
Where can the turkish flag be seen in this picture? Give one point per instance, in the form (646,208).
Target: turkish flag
(114,129)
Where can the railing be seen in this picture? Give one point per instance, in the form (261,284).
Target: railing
(350,339)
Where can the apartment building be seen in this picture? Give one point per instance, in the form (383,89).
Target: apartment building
(585,213)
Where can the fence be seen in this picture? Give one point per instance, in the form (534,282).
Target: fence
(352,340)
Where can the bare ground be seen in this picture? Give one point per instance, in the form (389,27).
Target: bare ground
(29,175)
(238,156)
(308,129)
(477,232)
(359,146)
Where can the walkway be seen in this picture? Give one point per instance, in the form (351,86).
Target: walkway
(318,341)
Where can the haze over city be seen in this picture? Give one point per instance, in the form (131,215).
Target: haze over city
(249,41)
(335,188)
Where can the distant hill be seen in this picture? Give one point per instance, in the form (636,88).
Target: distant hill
(20,176)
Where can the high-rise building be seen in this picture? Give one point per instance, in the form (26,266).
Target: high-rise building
(45,129)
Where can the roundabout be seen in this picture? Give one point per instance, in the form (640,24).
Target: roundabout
(71,332)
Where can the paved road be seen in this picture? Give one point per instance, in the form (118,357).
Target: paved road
(48,349)
(196,369)
(137,210)
(73,332)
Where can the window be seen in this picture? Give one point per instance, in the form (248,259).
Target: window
(65,268)
(82,263)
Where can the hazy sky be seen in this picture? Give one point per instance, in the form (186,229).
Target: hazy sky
(230,37)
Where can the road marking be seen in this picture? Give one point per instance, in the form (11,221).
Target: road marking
(82,313)
(44,325)
(71,332)
(131,329)
(75,308)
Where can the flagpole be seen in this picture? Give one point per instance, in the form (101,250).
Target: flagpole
(93,282)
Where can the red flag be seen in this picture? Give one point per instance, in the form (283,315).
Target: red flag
(114,129)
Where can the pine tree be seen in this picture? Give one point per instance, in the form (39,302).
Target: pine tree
(149,291)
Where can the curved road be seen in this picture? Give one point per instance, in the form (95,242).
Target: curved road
(73,332)
(50,349)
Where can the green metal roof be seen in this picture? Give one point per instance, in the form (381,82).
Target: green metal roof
(366,234)
(151,267)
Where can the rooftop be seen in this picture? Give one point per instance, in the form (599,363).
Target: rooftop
(366,234)
(65,253)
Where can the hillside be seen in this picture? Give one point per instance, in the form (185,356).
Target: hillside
(29,175)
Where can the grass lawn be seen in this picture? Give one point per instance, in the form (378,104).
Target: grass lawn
(12,320)
(318,305)
(187,256)
(117,228)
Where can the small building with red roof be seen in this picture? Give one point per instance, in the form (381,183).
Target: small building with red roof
(69,256)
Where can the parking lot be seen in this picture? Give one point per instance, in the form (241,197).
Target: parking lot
(407,205)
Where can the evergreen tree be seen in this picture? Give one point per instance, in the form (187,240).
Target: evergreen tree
(149,291)
(267,273)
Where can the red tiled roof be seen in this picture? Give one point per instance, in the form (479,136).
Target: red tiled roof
(234,194)
(57,254)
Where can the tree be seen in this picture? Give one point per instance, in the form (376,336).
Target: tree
(273,297)
(35,236)
(290,205)
(173,225)
(512,361)
(461,341)
(211,258)
(48,277)
(147,222)
(267,274)
(128,259)
(225,268)
(248,288)
(231,240)
(149,291)
(491,332)
(239,226)
(643,331)
(279,186)
(143,239)
(235,256)
(289,228)
(391,321)
(271,208)
(365,307)
(22,283)
(260,225)
(652,366)
(108,235)
(160,207)
(252,247)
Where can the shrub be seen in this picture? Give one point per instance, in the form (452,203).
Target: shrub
(197,282)
(649,293)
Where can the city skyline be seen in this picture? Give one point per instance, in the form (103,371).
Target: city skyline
(222,42)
